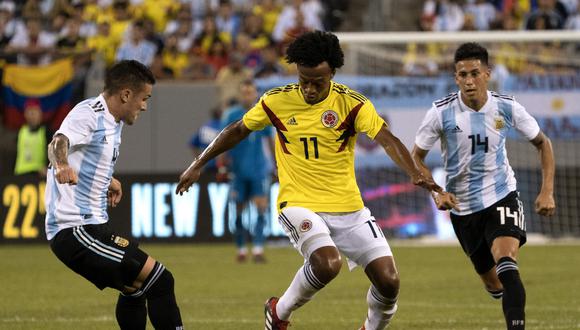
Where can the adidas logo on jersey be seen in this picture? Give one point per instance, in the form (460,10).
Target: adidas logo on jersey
(456,129)
(292,121)
(97,107)
(104,140)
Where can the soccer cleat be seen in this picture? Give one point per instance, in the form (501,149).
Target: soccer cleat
(241,257)
(259,258)
(272,321)
(362,328)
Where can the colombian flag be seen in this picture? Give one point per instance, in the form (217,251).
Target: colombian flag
(50,86)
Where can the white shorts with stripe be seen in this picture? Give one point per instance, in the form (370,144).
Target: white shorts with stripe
(355,234)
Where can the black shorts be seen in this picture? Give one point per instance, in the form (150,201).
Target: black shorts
(477,231)
(99,255)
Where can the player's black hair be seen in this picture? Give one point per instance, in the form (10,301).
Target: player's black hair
(128,74)
(471,51)
(312,48)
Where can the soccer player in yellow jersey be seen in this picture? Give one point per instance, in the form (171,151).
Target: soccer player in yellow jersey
(320,205)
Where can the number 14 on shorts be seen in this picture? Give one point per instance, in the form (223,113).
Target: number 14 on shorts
(515,216)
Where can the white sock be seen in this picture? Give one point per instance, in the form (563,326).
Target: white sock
(303,287)
(257,250)
(381,310)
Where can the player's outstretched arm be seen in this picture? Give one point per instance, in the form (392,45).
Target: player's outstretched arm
(545,204)
(58,157)
(444,200)
(401,156)
(227,139)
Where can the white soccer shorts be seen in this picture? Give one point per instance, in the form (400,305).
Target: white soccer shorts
(355,234)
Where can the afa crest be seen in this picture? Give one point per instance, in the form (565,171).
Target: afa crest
(305,225)
(329,118)
(120,241)
(499,123)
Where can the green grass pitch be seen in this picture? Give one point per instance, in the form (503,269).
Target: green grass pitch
(439,290)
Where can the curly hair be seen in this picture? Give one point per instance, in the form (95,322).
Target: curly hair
(312,48)
(471,51)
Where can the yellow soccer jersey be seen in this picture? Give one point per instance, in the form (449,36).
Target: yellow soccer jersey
(315,145)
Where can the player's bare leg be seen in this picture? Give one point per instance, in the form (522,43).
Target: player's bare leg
(505,251)
(382,294)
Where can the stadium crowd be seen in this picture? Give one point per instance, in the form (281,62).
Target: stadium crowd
(494,15)
(213,39)
(188,39)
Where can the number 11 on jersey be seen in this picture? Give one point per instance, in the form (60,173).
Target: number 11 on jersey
(314,142)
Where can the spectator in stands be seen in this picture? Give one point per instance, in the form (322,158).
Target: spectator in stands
(515,11)
(87,27)
(60,6)
(121,20)
(32,142)
(545,17)
(468,22)
(57,24)
(447,15)
(268,10)
(160,12)
(152,36)
(254,28)
(182,26)
(71,42)
(209,33)
(198,69)
(31,9)
(73,45)
(569,6)
(231,76)
(573,21)
(227,20)
(33,46)
(270,65)
(103,44)
(295,31)
(9,25)
(218,55)
(137,47)
(250,179)
(171,62)
(202,8)
(92,11)
(252,56)
(288,20)
(484,14)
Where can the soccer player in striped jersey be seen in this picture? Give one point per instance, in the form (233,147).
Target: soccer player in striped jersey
(80,184)
(320,205)
(486,214)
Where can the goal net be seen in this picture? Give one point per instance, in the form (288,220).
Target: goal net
(403,73)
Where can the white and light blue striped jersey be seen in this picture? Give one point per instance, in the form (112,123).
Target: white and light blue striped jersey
(473,146)
(94,139)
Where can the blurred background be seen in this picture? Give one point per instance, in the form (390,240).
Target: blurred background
(398,53)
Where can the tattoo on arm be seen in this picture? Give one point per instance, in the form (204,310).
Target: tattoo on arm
(58,150)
